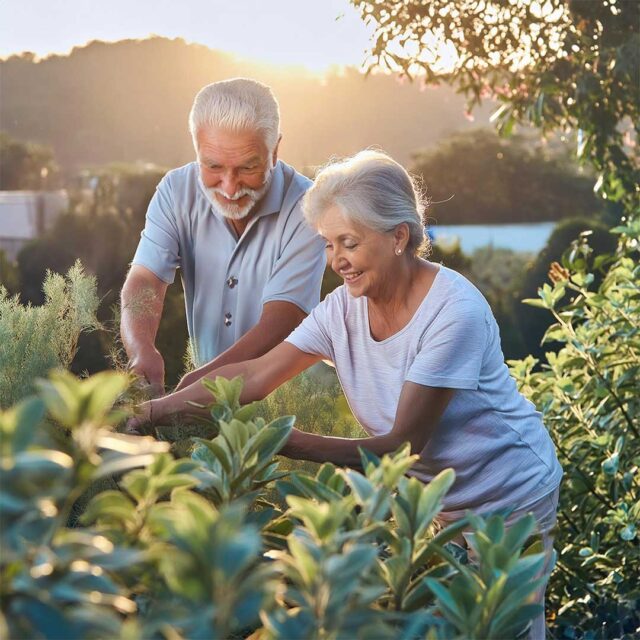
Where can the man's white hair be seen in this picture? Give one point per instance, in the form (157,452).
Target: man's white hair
(374,190)
(237,104)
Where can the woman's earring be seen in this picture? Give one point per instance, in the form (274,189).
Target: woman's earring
(398,252)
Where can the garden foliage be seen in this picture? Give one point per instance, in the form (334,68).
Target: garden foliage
(189,547)
(589,393)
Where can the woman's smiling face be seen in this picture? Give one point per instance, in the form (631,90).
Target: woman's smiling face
(363,257)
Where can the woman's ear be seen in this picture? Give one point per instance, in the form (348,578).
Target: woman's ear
(401,237)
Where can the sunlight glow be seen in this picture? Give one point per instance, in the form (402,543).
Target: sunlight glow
(310,34)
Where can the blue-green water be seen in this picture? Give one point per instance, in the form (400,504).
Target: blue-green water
(518,237)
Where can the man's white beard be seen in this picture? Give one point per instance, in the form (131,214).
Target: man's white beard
(236,212)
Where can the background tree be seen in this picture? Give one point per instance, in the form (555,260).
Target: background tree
(9,277)
(533,322)
(25,165)
(560,65)
(500,180)
(111,101)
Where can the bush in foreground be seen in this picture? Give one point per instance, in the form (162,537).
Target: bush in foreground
(190,548)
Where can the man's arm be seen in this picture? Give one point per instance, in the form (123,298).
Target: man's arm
(277,321)
(142,299)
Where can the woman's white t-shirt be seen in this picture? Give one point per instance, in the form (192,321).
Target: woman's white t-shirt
(489,434)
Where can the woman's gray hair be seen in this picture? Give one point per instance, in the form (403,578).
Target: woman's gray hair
(374,190)
(237,104)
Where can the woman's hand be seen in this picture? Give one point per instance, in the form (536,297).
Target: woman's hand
(141,417)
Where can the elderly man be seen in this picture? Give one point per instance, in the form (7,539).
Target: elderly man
(250,266)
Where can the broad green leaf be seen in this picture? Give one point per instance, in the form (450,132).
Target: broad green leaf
(271,438)
(19,425)
(446,602)
(235,433)
(514,620)
(360,486)
(518,533)
(217,450)
(305,562)
(120,464)
(113,505)
(177,481)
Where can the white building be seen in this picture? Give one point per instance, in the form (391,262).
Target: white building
(25,215)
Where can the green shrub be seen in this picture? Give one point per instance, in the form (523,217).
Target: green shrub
(37,339)
(590,397)
(190,548)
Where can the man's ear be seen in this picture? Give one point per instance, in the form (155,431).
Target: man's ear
(274,156)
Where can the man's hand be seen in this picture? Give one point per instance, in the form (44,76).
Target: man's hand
(149,365)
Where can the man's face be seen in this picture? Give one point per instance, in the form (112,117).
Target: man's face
(235,169)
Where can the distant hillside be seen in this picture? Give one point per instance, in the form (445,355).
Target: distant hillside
(129,101)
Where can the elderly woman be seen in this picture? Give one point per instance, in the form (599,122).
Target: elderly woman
(416,349)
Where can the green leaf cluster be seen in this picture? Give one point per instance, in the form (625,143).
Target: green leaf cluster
(484,603)
(238,462)
(367,556)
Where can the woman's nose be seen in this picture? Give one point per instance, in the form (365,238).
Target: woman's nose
(338,261)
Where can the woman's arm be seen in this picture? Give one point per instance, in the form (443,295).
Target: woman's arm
(261,376)
(419,411)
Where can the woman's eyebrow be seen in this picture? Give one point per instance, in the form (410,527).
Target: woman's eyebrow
(340,237)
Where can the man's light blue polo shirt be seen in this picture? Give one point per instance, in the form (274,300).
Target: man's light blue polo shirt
(227,280)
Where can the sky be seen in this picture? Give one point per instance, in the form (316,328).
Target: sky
(316,34)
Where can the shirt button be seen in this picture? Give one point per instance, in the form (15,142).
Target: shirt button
(232,282)
(227,319)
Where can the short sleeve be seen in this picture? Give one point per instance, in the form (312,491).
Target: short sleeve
(452,349)
(159,247)
(297,273)
(313,334)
